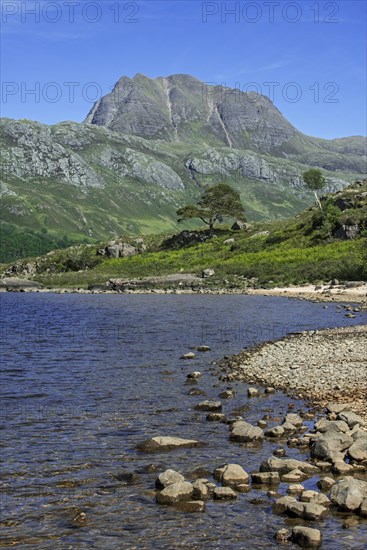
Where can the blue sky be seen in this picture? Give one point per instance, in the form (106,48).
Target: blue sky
(312,53)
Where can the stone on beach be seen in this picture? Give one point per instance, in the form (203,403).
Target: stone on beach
(351,418)
(253,392)
(325,425)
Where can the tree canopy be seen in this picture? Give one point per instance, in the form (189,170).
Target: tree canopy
(216,202)
(314,181)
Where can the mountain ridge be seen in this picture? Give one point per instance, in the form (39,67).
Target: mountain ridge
(93,180)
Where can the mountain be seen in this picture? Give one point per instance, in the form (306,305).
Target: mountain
(150,146)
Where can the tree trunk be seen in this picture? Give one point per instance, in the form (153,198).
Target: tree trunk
(318,200)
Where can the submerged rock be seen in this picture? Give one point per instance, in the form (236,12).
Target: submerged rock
(166,443)
(203,348)
(191,506)
(189,355)
(224,493)
(306,537)
(194,375)
(207,405)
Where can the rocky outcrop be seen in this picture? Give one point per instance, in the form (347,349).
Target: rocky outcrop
(17,283)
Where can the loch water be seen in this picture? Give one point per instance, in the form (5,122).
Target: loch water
(85,378)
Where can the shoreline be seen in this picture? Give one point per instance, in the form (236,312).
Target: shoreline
(356,294)
(319,366)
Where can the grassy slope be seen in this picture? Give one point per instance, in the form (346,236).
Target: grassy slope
(297,250)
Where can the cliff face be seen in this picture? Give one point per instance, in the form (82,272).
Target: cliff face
(151,146)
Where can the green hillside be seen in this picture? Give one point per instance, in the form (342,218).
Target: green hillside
(306,248)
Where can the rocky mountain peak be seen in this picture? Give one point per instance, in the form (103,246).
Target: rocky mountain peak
(180,107)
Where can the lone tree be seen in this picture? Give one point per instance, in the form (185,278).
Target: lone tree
(314,181)
(215,203)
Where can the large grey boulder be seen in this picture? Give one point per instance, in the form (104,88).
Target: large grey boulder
(116,249)
(358,450)
(349,493)
(176,492)
(166,443)
(329,444)
(325,425)
(351,418)
(244,432)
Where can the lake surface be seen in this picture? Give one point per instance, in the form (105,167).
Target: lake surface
(85,378)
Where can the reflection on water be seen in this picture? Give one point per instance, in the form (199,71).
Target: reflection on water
(87,377)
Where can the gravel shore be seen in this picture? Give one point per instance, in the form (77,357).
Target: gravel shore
(320,366)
